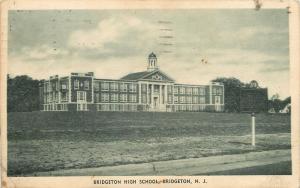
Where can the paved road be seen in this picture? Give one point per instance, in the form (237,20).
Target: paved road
(252,162)
(282,168)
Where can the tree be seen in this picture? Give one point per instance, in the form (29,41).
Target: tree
(22,94)
(277,104)
(232,92)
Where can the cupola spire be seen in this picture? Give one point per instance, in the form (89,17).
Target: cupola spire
(152,62)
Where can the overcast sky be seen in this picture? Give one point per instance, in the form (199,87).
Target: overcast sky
(246,44)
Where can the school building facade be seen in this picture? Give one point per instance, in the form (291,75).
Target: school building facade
(150,90)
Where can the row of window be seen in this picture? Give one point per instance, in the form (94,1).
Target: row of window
(188,108)
(115,86)
(51,97)
(85,84)
(196,108)
(55,107)
(54,86)
(117,107)
(54,97)
(114,97)
(188,99)
(188,90)
(217,91)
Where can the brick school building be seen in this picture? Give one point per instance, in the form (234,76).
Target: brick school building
(150,90)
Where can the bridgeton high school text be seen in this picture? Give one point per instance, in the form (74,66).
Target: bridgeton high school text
(150,90)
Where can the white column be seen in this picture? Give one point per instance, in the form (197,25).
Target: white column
(140,94)
(93,94)
(58,83)
(166,94)
(160,94)
(147,97)
(210,94)
(152,88)
(70,89)
(223,95)
(173,87)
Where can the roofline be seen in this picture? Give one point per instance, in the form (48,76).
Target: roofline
(155,80)
(123,80)
(188,85)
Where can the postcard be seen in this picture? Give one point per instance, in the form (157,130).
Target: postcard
(150,93)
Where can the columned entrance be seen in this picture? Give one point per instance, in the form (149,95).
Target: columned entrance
(156,96)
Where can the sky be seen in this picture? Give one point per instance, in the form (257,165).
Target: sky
(245,44)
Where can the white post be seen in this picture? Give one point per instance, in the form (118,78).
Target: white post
(253,128)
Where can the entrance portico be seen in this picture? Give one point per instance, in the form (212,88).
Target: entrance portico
(156,95)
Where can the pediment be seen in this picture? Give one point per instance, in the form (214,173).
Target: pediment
(157,76)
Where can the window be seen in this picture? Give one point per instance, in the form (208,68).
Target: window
(114,107)
(56,97)
(176,90)
(132,88)
(195,91)
(97,97)
(132,98)
(144,88)
(220,91)
(123,87)
(104,97)
(86,85)
(64,96)
(217,91)
(169,98)
(82,107)
(45,88)
(64,107)
(114,97)
(96,86)
(103,107)
(123,97)
(202,100)
(189,99)
(188,90)
(56,86)
(81,96)
(175,99)
(64,86)
(182,99)
(214,91)
(202,91)
(76,84)
(181,90)
(114,86)
(217,99)
(195,100)
(48,98)
(48,87)
(104,86)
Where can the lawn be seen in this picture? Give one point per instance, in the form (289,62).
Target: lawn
(44,141)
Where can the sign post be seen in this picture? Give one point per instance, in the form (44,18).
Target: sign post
(253,128)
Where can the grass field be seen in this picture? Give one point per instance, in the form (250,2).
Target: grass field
(44,141)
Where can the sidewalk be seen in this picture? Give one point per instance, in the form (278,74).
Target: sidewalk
(191,166)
